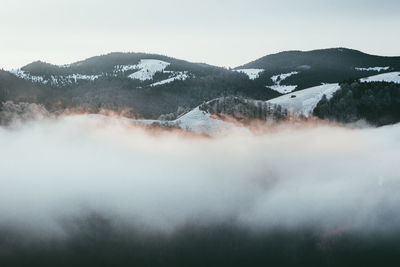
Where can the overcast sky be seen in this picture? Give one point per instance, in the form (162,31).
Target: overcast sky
(223,32)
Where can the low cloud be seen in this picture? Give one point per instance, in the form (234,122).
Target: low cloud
(313,175)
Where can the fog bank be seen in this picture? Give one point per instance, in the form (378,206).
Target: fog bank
(322,176)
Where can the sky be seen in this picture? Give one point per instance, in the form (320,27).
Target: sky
(223,33)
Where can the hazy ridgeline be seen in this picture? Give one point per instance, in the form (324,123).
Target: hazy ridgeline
(84,190)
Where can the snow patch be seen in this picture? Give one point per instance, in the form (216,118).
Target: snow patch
(252,73)
(378,69)
(77,77)
(58,80)
(147,69)
(283,89)
(179,76)
(124,68)
(26,76)
(385,77)
(280,77)
(55,80)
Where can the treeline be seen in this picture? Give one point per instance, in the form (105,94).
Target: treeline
(378,103)
(244,109)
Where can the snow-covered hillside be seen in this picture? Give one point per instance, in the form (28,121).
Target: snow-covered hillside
(280,77)
(252,73)
(174,76)
(54,80)
(144,71)
(197,121)
(385,77)
(283,89)
(26,76)
(304,101)
(201,122)
(147,68)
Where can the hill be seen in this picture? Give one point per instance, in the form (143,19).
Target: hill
(140,85)
(295,70)
(151,86)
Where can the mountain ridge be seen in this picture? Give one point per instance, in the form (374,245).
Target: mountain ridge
(151,85)
(322,50)
(204,63)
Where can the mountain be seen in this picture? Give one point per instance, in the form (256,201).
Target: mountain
(141,85)
(151,86)
(114,64)
(295,70)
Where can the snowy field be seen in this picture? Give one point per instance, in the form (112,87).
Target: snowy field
(252,73)
(304,101)
(385,77)
(283,89)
